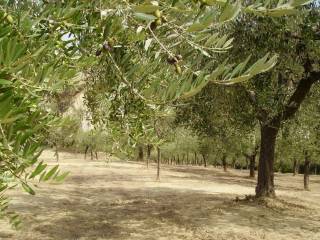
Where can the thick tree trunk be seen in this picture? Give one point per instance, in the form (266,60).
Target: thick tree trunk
(265,185)
(224,162)
(158,163)
(306,171)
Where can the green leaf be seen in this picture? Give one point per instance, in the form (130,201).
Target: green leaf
(196,27)
(145,17)
(296,3)
(230,11)
(38,170)
(50,173)
(27,188)
(5,82)
(216,2)
(146,8)
(61,177)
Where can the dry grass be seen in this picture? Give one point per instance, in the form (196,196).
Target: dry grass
(123,201)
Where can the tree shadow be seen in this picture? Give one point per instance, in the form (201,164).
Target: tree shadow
(120,213)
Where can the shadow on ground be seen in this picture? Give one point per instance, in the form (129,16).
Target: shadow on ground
(117,203)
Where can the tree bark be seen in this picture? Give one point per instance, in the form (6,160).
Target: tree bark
(265,185)
(204,160)
(251,158)
(149,146)
(91,154)
(234,160)
(224,162)
(140,153)
(306,171)
(187,158)
(56,152)
(158,163)
(295,167)
(252,165)
(86,151)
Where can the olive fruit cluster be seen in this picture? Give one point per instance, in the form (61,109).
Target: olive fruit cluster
(159,19)
(175,61)
(107,46)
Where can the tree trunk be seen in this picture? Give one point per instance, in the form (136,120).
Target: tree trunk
(56,152)
(295,167)
(158,163)
(224,162)
(140,153)
(265,185)
(252,165)
(91,154)
(148,154)
(195,158)
(204,160)
(187,158)
(234,160)
(86,151)
(306,171)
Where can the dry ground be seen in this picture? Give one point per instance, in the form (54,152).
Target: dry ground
(123,201)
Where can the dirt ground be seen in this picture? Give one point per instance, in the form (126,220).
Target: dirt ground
(122,200)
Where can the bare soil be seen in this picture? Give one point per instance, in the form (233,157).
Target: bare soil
(122,200)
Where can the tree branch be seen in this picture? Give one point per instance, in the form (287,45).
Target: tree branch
(300,93)
(261,113)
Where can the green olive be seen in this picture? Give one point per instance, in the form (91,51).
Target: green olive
(158,22)
(9,18)
(157,14)
(178,69)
